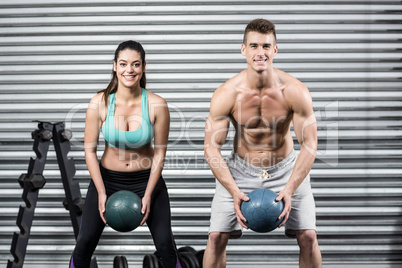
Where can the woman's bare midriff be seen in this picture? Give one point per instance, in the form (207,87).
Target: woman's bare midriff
(127,160)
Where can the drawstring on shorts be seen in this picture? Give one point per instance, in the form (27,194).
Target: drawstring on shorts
(264,175)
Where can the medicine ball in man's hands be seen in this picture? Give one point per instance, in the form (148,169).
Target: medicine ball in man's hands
(262,211)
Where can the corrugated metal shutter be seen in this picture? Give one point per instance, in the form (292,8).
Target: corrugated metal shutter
(54,56)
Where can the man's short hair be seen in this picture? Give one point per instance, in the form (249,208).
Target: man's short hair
(260,26)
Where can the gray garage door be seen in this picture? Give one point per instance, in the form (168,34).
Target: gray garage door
(55,55)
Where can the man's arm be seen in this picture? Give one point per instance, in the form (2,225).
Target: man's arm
(305,127)
(216,130)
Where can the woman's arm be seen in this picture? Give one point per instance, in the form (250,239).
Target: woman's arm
(91,136)
(161,115)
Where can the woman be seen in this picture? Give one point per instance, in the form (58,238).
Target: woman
(129,117)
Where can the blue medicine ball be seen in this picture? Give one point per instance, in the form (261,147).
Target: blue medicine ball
(262,211)
(123,211)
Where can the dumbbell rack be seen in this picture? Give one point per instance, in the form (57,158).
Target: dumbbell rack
(32,181)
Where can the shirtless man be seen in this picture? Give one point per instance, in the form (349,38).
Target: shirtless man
(262,102)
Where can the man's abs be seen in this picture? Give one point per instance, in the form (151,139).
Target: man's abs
(265,151)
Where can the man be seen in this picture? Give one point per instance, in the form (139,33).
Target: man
(262,102)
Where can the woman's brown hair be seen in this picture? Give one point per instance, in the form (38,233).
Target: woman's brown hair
(112,87)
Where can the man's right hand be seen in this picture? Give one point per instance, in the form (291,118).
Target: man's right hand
(238,199)
(286,197)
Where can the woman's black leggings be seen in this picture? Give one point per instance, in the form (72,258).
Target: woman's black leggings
(158,222)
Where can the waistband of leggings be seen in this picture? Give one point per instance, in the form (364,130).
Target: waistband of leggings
(239,162)
(132,176)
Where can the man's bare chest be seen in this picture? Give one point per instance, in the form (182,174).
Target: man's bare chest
(268,110)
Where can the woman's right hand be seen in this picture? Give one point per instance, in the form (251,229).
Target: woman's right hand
(101,204)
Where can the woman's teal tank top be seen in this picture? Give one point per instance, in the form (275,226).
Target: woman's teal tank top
(128,139)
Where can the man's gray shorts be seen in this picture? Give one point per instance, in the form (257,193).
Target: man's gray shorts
(249,177)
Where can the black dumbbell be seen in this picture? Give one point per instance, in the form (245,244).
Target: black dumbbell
(189,260)
(120,262)
(66,135)
(35,133)
(187,249)
(200,256)
(78,204)
(151,261)
(45,135)
(35,181)
(188,257)
(21,179)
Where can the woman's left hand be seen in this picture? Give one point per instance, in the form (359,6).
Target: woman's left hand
(146,208)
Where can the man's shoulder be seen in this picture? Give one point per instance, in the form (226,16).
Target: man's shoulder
(295,92)
(224,97)
(231,86)
(285,77)
(290,83)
